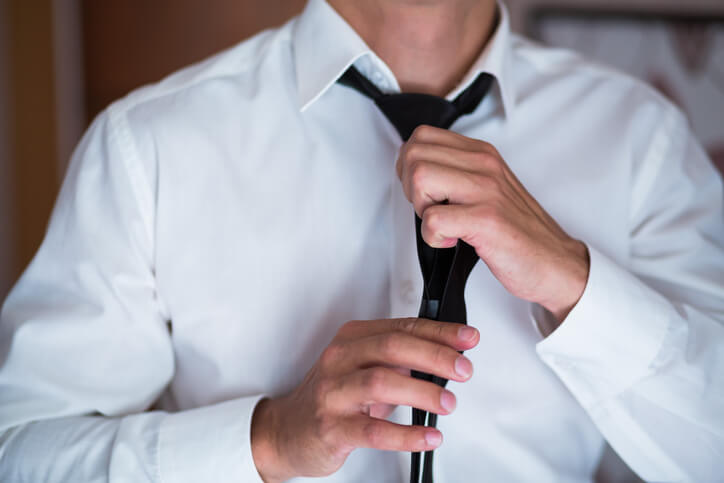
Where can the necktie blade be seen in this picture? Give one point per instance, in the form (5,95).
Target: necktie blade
(354,79)
(444,271)
(470,98)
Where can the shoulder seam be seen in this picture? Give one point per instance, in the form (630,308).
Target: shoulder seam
(121,135)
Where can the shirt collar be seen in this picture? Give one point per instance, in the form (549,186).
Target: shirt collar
(495,59)
(325,46)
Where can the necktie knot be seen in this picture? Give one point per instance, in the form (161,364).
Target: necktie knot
(407,111)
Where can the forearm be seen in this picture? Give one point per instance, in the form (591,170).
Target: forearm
(270,443)
(263,443)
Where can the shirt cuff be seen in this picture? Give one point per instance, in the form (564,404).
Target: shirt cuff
(211,443)
(610,338)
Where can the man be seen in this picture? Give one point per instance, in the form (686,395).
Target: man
(216,232)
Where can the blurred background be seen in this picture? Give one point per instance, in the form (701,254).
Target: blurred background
(62,61)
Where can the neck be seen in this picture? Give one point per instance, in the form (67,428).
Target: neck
(428,44)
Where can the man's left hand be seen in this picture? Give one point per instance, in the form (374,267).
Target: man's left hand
(463,189)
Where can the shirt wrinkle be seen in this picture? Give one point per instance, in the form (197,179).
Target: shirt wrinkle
(263,230)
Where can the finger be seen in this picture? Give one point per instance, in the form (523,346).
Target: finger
(383,385)
(458,336)
(443,225)
(462,152)
(367,432)
(427,183)
(397,349)
(480,154)
(433,135)
(410,153)
(483,159)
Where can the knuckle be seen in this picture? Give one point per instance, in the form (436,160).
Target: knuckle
(347,326)
(488,159)
(375,381)
(421,132)
(327,430)
(321,393)
(417,198)
(417,182)
(413,151)
(418,173)
(484,145)
(414,439)
(433,220)
(494,153)
(331,355)
(440,357)
(418,177)
(373,435)
(485,183)
(407,324)
(390,345)
(325,423)
(491,216)
(439,330)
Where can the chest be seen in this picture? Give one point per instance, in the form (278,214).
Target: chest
(277,236)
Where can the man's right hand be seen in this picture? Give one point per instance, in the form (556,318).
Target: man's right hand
(355,384)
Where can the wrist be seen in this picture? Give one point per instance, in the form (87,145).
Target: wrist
(570,281)
(264,443)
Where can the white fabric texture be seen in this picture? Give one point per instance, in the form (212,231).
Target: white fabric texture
(215,229)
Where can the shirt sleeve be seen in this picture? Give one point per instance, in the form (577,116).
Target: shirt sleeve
(643,350)
(85,348)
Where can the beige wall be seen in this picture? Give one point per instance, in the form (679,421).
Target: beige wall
(46,73)
(42,70)
(31,125)
(41,74)
(7,223)
(68,82)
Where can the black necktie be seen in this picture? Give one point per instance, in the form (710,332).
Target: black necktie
(444,270)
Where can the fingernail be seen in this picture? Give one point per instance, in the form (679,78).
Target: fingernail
(447,401)
(466,333)
(463,367)
(433,438)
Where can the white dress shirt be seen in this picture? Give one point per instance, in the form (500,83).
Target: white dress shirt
(215,229)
